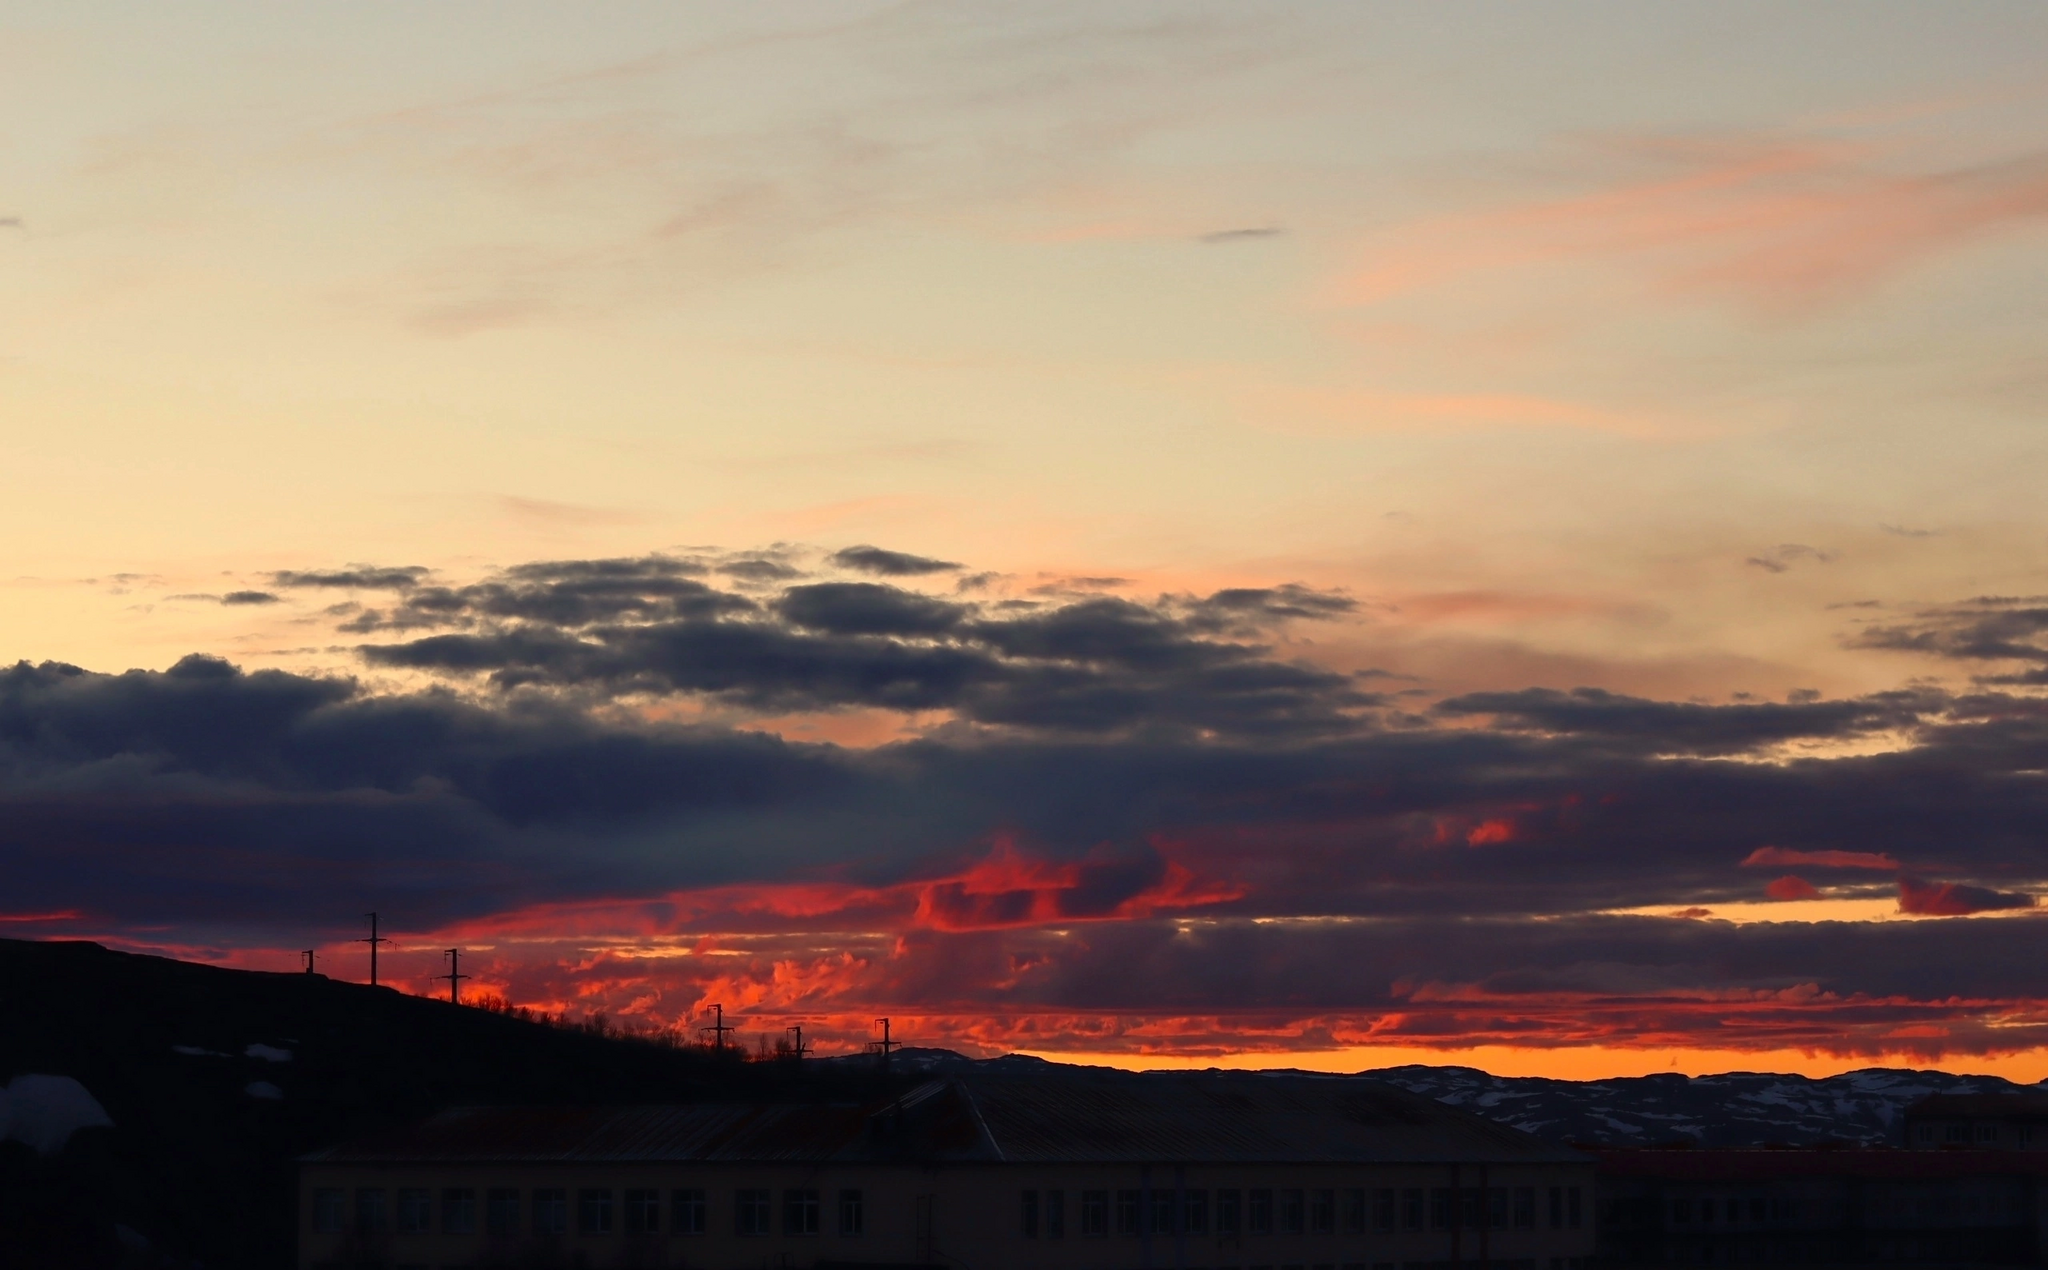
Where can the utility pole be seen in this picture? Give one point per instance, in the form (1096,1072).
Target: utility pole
(373,941)
(884,1045)
(797,1051)
(454,976)
(718,1029)
(308,955)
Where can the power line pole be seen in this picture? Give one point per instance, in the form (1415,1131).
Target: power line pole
(718,1029)
(307,953)
(884,1045)
(797,1051)
(372,941)
(454,976)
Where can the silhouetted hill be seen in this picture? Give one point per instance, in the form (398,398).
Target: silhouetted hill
(197,1162)
(215,1080)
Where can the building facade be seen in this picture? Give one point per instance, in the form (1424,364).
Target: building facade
(1978,1122)
(1200,1172)
(1845,1207)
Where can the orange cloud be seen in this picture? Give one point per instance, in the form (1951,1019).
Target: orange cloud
(1781,857)
(1782,224)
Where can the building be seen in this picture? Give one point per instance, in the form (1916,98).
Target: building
(1852,1206)
(1193,1172)
(1980,1122)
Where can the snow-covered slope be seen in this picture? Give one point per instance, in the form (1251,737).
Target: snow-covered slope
(1735,1109)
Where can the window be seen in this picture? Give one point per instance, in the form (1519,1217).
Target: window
(1227,1212)
(415,1210)
(1194,1212)
(1706,1210)
(1411,1208)
(1260,1213)
(1383,1208)
(1571,1207)
(1322,1212)
(369,1208)
(1468,1207)
(750,1212)
(1027,1215)
(1440,1208)
(1958,1133)
(458,1211)
(1162,1212)
(1925,1133)
(1557,1207)
(800,1212)
(686,1211)
(1681,1210)
(852,1216)
(1094,1212)
(1127,1212)
(594,1212)
(501,1211)
(330,1210)
(1290,1210)
(643,1212)
(1756,1210)
(1987,1133)
(1354,1211)
(1496,1207)
(1055,1214)
(1525,1207)
(550,1211)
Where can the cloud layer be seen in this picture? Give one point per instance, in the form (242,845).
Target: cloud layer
(1137,824)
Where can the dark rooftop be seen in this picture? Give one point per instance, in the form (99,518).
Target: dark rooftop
(1756,1166)
(1154,1118)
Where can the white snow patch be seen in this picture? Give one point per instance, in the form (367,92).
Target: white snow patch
(268,1053)
(44,1111)
(263,1089)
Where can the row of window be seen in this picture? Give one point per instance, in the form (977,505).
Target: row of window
(1969,1133)
(546,1211)
(1295,1210)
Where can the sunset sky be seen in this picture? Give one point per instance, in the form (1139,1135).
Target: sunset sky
(1251,534)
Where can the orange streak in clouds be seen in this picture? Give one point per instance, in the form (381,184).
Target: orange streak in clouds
(1780,857)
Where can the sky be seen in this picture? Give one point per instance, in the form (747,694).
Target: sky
(1321,535)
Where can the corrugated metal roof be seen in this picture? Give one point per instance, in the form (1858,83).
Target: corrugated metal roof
(1212,1118)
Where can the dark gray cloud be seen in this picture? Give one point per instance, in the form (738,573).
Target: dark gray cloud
(889,564)
(358,577)
(1673,726)
(1989,628)
(1248,234)
(249,597)
(1085,663)
(867,608)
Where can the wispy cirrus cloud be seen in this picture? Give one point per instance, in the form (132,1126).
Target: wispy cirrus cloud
(1781,224)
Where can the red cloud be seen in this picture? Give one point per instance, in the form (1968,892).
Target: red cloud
(1791,888)
(1490,832)
(1951,899)
(1783,857)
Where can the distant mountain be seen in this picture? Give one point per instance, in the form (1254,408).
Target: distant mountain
(1739,1109)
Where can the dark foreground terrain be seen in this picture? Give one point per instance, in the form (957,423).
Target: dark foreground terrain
(196,1169)
(215,1080)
